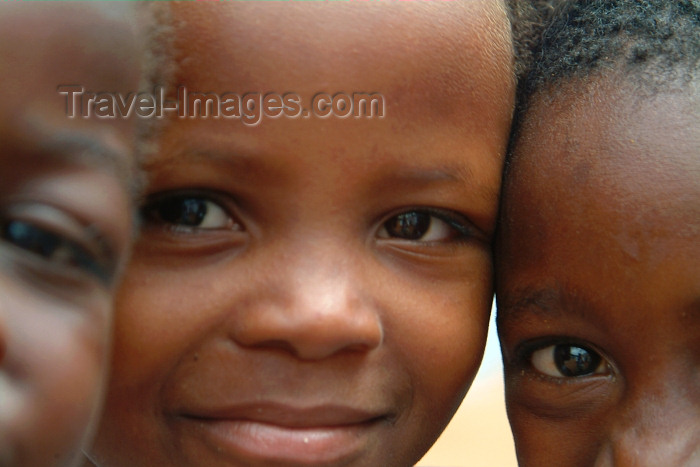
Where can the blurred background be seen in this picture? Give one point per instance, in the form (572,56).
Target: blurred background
(478,435)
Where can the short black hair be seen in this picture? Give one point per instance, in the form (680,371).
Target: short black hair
(527,19)
(653,42)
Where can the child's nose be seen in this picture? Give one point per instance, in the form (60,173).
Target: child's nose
(312,314)
(657,429)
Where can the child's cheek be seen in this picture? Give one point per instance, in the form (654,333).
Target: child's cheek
(440,327)
(54,368)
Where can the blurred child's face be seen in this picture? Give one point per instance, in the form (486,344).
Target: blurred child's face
(599,280)
(65,222)
(315,291)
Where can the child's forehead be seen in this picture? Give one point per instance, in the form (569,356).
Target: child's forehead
(73,18)
(606,164)
(611,133)
(326,25)
(452,49)
(85,44)
(327,22)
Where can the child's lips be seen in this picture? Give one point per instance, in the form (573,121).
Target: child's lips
(265,432)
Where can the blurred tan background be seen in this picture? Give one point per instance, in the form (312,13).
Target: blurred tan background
(478,435)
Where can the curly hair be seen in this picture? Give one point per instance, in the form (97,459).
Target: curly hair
(654,42)
(528,19)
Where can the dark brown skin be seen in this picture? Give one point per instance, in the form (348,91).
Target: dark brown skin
(65,181)
(599,250)
(295,320)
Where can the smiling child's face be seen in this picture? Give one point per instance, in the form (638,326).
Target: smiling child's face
(65,222)
(599,280)
(315,291)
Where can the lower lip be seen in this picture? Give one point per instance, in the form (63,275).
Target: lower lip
(253,441)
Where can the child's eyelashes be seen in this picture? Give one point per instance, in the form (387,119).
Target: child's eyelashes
(61,242)
(426,226)
(568,360)
(561,359)
(209,222)
(188,212)
(191,211)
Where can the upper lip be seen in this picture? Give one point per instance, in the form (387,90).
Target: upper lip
(291,416)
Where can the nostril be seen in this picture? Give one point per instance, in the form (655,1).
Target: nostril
(303,352)
(275,344)
(359,348)
(306,329)
(306,340)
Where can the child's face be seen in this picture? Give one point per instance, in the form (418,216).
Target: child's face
(315,291)
(65,222)
(599,280)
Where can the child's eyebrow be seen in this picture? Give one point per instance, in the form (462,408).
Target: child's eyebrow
(419,176)
(241,159)
(458,180)
(40,140)
(233,159)
(558,301)
(550,302)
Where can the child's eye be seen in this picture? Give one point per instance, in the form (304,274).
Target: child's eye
(54,247)
(567,360)
(424,226)
(189,212)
